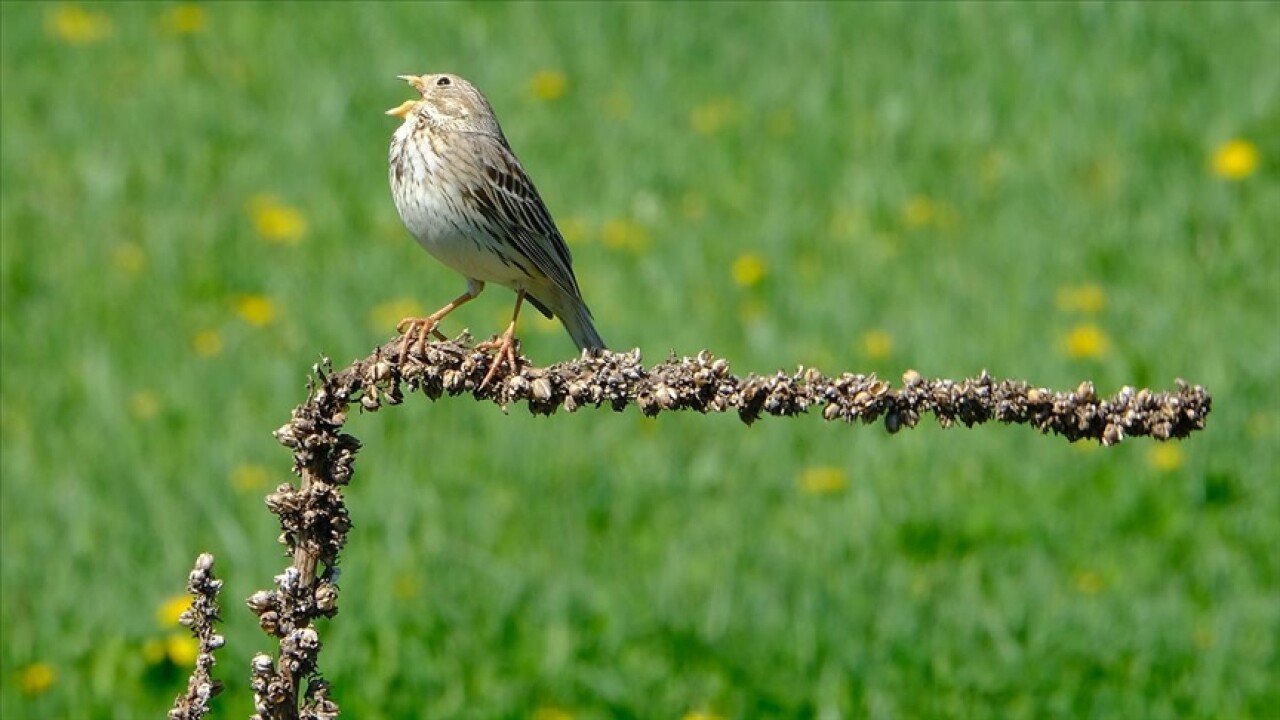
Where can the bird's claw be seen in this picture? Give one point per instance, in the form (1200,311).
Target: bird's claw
(504,348)
(424,326)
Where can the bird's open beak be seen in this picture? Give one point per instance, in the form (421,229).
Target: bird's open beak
(403,108)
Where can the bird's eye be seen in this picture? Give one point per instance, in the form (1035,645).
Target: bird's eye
(442,81)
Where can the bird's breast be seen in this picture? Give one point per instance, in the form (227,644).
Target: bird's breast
(429,195)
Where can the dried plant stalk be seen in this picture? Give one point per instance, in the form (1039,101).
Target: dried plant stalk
(313,516)
(200,618)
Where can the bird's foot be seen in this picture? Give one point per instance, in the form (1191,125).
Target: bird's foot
(505,349)
(415,331)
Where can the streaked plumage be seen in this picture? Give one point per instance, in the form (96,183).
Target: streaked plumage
(465,197)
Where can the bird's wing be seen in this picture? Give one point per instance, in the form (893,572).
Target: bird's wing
(510,203)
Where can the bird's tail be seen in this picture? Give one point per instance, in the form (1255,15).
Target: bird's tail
(577,320)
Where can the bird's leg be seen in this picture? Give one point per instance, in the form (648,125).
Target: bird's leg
(427,325)
(504,346)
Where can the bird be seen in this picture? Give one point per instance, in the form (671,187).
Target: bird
(466,198)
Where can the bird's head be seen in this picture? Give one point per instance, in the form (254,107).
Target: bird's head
(448,101)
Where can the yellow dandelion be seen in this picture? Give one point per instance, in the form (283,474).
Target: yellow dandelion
(385,316)
(257,310)
(184,19)
(621,234)
(76,26)
(129,257)
(36,678)
(1088,299)
(780,124)
(617,105)
(552,713)
(548,84)
(1085,341)
(171,610)
(181,649)
(748,270)
(249,477)
(709,118)
(276,222)
(575,230)
(207,343)
(876,344)
(1235,160)
(1165,457)
(918,211)
(1088,582)
(702,715)
(144,405)
(823,480)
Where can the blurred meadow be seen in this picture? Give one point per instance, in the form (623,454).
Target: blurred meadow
(194,209)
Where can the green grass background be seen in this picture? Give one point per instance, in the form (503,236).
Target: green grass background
(601,565)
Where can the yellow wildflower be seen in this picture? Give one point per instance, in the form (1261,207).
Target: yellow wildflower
(1089,299)
(1165,457)
(181,649)
(36,678)
(77,26)
(574,230)
(920,211)
(129,257)
(701,715)
(1088,582)
(184,19)
(1235,160)
(823,480)
(249,477)
(624,235)
(709,118)
(144,404)
(549,84)
(385,316)
(171,610)
(207,343)
(877,344)
(276,222)
(257,310)
(1085,341)
(748,270)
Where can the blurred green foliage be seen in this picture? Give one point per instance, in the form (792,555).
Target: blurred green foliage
(195,209)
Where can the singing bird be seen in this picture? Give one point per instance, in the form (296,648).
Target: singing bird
(463,194)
